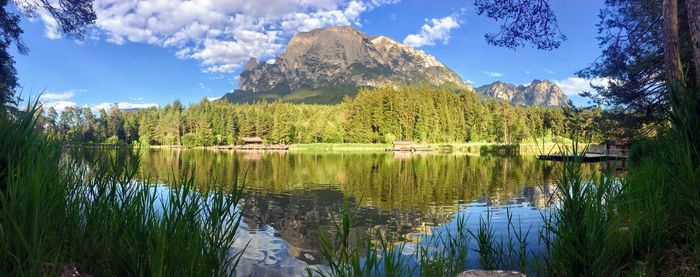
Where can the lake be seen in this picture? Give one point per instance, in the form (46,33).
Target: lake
(291,196)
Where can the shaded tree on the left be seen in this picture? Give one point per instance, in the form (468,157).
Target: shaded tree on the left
(71,17)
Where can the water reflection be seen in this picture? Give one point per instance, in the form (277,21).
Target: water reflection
(290,196)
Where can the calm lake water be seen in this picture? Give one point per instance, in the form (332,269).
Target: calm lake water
(290,196)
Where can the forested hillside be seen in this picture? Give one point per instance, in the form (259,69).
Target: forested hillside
(428,115)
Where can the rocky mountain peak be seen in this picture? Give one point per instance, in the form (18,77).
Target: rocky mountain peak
(321,60)
(252,63)
(537,93)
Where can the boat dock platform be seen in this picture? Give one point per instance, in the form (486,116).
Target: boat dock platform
(594,153)
(586,158)
(407,146)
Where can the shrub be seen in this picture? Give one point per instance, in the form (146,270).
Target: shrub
(112,140)
(189,140)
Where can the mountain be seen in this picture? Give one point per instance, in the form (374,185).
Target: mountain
(537,93)
(323,65)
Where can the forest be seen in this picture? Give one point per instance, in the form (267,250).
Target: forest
(426,115)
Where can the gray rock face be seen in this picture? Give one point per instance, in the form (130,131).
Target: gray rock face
(344,56)
(537,93)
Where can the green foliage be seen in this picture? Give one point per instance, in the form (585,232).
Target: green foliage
(584,227)
(94,215)
(112,140)
(189,139)
(426,115)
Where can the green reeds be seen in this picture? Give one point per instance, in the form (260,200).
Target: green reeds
(56,211)
(444,253)
(585,223)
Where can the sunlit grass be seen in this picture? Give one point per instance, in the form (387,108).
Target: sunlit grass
(55,212)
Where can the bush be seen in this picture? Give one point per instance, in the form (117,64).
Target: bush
(189,140)
(112,140)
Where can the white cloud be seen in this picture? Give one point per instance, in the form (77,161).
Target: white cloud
(51,96)
(576,85)
(220,34)
(136,98)
(51,30)
(435,30)
(59,100)
(493,74)
(59,105)
(548,71)
(212,98)
(123,106)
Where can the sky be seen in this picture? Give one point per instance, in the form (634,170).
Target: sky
(151,52)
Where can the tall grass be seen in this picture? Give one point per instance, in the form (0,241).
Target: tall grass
(56,211)
(444,253)
(599,225)
(583,227)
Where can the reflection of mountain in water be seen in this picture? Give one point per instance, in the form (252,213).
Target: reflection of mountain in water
(290,197)
(298,217)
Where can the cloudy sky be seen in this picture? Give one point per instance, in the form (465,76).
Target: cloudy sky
(150,52)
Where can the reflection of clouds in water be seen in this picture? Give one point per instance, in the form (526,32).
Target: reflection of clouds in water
(266,254)
(525,215)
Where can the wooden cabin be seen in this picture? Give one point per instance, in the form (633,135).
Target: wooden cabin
(618,147)
(253,141)
(258,144)
(614,148)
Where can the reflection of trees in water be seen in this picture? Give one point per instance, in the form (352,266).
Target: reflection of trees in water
(379,180)
(299,193)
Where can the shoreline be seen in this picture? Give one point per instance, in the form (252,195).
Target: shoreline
(437,148)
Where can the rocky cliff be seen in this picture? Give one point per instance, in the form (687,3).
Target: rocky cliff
(323,65)
(537,93)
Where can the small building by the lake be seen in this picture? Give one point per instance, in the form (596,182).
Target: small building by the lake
(252,141)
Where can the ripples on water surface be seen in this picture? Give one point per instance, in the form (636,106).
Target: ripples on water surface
(290,196)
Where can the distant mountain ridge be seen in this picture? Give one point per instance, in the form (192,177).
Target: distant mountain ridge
(323,65)
(537,93)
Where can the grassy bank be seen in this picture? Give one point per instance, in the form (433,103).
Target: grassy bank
(469,148)
(58,215)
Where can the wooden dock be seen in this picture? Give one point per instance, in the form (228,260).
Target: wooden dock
(586,158)
(595,153)
(407,146)
(262,147)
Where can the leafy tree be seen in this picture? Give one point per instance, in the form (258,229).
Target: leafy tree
(51,128)
(90,123)
(115,123)
(523,22)
(102,130)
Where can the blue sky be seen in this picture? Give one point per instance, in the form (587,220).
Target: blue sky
(156,51)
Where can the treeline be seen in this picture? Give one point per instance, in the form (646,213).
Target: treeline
(428,115)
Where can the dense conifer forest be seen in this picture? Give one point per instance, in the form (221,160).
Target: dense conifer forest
(427,115)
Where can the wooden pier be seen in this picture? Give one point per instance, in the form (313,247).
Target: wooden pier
(586,157)
(407,146)
(254,144)
(608,151)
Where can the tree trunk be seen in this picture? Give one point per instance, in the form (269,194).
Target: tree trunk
(672,56)
(693,10)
